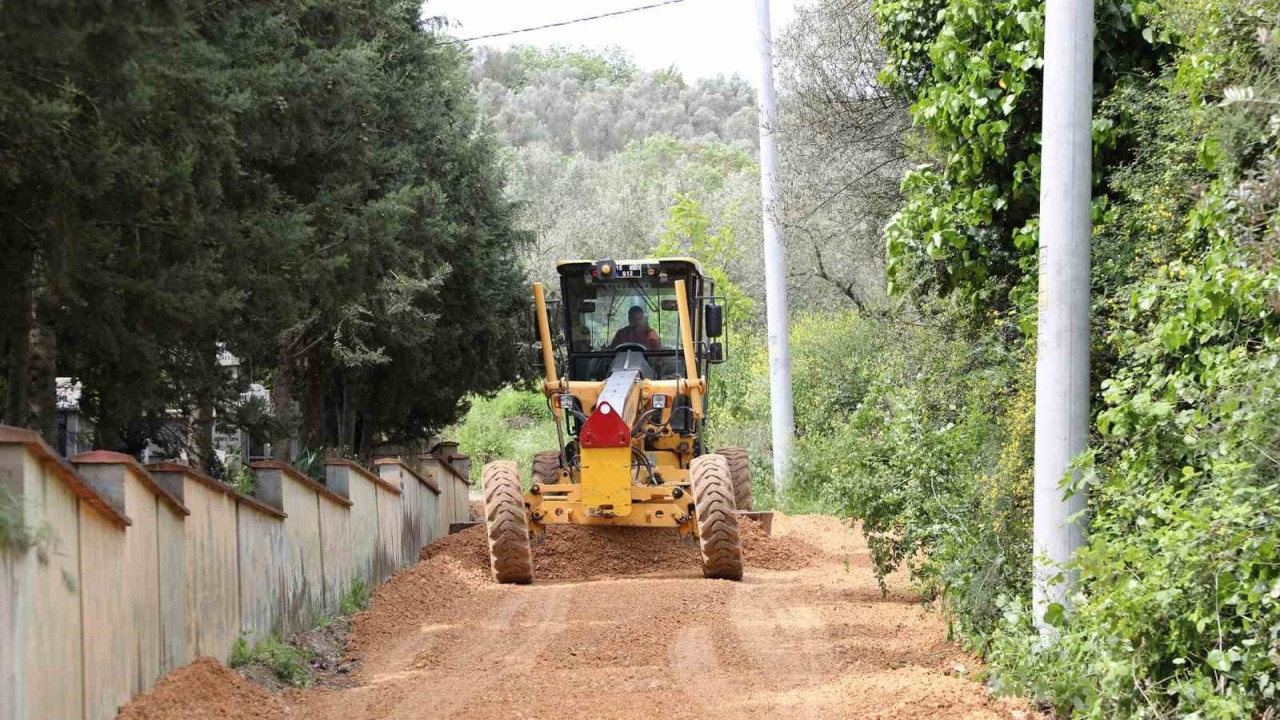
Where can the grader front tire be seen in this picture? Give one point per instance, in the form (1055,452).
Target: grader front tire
(718,540)
(546,468)
(506,523)
(740,475)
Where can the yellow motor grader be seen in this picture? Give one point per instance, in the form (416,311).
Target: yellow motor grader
(640,337)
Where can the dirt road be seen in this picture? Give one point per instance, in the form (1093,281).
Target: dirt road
(621,624)
(807,635)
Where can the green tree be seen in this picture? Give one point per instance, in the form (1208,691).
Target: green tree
(609,65)
(115,151)
(300,183)
(689,231)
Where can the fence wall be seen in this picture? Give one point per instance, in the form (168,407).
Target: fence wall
(126,572)
(451,475)
(418,501)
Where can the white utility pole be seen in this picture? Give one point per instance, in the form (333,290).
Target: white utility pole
(781,409)
(1062,353)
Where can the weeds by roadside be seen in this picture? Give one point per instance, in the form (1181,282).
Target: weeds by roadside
(356,599)
(314,657)
(289,663)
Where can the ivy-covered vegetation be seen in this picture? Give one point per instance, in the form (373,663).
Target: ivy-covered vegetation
(1177,613)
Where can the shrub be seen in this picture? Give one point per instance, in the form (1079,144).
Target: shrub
(512,425)
(289,663)
(356,599)
(921,462)
(1178,609)
(901,427)
(1181,612)
(241,653)
(1175,614)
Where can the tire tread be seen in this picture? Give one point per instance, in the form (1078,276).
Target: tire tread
(506,524)
(740,475)
(719,544)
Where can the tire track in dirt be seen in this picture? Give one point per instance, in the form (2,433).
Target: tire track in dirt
(452,664)
(785,641)
(693,659)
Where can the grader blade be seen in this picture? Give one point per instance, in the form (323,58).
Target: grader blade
(764,517)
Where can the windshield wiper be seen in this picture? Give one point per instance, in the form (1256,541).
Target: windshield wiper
(647,301)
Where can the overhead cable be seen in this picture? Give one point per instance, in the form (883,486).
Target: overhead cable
(565,22)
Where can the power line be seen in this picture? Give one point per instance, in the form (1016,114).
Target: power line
(566,22)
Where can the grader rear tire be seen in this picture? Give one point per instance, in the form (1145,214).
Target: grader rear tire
(740,474)
(506,523)
(546,468)
(718,541)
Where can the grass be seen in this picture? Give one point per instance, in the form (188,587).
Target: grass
(356,599)
(290,663)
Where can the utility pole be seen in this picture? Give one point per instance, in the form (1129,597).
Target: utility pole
(1062,353)
(781,409)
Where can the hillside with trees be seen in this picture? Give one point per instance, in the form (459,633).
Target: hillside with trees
(609,159)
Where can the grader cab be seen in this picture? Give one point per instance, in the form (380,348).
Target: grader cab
(630,408)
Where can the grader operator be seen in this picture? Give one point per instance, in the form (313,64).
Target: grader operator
(630,411)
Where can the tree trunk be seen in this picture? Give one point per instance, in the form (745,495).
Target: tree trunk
(41,390)
(313,402)
(364,448)
(105,433)
(15,411)
(282,405)
(346,418)
(202,435)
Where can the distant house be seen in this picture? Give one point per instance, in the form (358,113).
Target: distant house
(231,444)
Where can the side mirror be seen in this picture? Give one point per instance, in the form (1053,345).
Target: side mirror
(587,307)
(715,320)
(670,305)
(715,353)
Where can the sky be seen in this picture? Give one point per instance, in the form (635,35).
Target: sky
(702,38)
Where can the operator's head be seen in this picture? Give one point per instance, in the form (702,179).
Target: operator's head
(636,318)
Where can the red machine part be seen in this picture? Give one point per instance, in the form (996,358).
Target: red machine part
(605,428)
